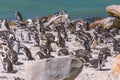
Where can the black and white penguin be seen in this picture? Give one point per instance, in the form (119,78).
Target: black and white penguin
(63,52)
(7,64)
(19,15)
(102,57)
(25,35)
(4,25)
(27,52)
(12,55)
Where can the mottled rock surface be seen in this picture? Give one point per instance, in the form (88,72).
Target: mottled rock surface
(109,22)
(65,68)
(113,10)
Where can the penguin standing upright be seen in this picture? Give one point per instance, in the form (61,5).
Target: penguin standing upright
(19,15)
(4,25)
(12,55)
(7,64)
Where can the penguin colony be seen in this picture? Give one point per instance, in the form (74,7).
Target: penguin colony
(55,29)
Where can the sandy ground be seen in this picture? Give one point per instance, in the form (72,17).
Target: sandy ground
(20,69)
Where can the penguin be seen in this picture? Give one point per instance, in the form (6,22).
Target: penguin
(4,25)
(60,41)
(102,57)
(82,53)
(63,52)
(35,39)
(94,42)
(27,52)
(16,46)
(42,55)
(25,34)
(19,15)
(30,23)
(7,64)
(12,55)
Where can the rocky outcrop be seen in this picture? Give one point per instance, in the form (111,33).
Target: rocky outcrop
(109,22)
(113,10)
(65,68)
(116,66)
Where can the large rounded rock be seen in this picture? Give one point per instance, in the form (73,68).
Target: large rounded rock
(109,22)
(113,10)
(66,68)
